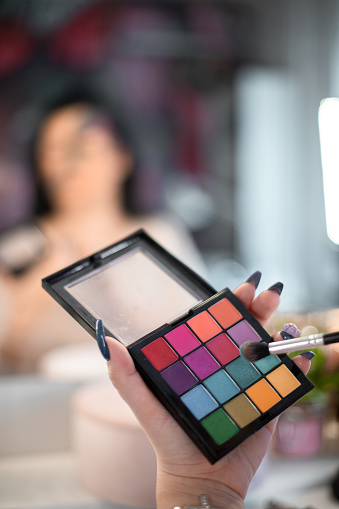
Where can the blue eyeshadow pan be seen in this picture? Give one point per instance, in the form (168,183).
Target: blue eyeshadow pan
(199,402)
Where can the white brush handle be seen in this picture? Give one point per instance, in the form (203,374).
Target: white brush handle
(295,344)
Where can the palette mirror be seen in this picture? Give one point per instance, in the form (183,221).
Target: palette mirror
(134,294)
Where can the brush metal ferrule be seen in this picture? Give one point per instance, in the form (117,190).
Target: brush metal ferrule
(295,344)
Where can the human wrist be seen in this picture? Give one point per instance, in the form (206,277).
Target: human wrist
(177,491)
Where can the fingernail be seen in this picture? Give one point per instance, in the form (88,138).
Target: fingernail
(277,287)
(254,278)
(101,340)
(290,330)
(308,354)
(286,335)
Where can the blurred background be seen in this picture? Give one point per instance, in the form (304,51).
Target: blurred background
(220,99)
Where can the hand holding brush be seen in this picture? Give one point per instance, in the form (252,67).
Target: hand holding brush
(256,351)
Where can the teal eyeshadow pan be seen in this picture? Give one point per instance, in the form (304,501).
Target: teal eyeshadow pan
(243,372)
(184,339)
(221,386)
(266,364)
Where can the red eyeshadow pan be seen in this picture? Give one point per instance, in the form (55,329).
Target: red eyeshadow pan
(204,326)
(225,313)
(223,349)
(159,354)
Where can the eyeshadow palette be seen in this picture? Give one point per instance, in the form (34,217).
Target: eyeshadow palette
(184,339)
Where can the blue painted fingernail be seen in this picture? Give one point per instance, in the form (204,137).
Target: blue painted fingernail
(285,335)
(277,287)
(101,340)
(254,278)
(308,354)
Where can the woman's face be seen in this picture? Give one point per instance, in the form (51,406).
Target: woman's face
(80,162)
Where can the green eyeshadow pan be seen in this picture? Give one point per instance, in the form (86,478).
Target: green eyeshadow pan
(220,426)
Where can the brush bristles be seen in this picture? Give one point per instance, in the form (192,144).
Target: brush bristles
(254,351)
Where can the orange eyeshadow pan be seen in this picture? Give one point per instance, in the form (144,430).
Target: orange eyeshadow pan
(204,326)
(283,380)
(262,395)
(225,313)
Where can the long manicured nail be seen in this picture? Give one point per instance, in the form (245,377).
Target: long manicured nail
(254,278)
(308,354)
(101,340)
(277,287)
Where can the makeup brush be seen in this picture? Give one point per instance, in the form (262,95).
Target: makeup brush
(255,351)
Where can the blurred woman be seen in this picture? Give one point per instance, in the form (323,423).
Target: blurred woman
(83,163)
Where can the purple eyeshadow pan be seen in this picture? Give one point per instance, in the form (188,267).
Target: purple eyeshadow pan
(242,332)
(179,377)
(202,363)
(182,340)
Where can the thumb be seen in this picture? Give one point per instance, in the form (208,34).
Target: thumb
(132,388)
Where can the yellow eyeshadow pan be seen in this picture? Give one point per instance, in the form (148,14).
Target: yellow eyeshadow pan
(283,380)
(184,339)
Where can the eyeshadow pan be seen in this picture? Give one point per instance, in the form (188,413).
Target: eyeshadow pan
(241,410)
(242,332)
(267,363)
(283,380)
(223,349)
(219,426)
(243,372)
(182,339)
(204,326)
(199,402)
(202,363)
(221,386)
(262,395)
(225,313)
(179,377)
(159,354)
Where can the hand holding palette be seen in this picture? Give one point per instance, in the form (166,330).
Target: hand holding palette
(184,339)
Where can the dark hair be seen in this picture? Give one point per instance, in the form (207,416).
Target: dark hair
(103,111)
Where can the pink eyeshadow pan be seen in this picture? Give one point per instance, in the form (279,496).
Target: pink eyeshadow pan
(182,340)
(223,349)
